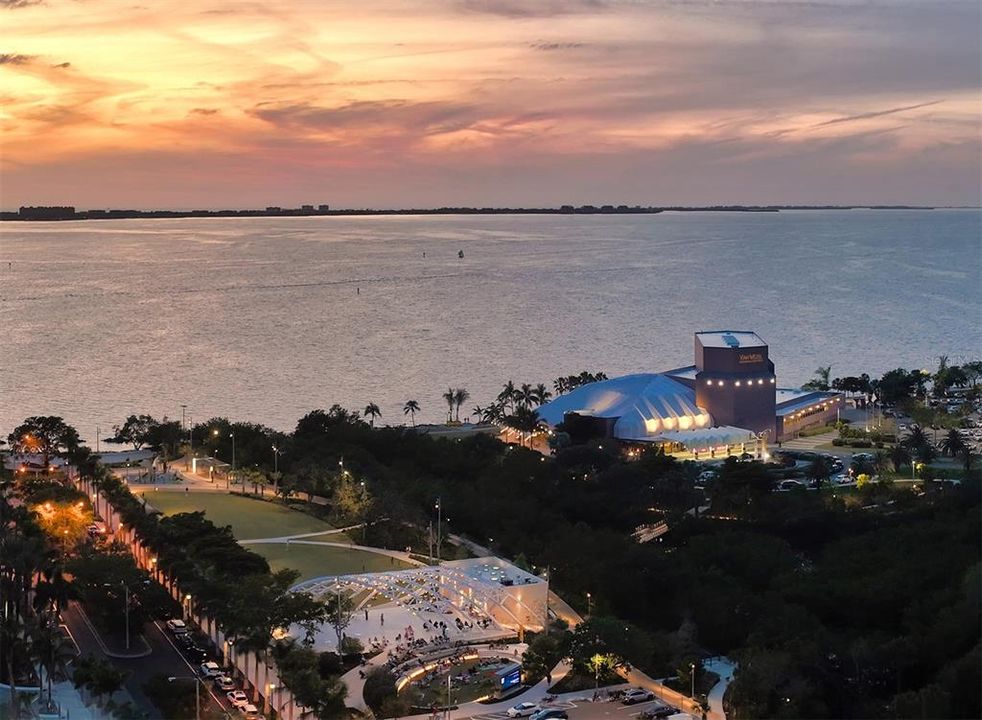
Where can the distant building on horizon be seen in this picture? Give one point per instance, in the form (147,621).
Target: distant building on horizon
(56,212)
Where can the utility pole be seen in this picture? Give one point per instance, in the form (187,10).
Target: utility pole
(126,595)
(439,520)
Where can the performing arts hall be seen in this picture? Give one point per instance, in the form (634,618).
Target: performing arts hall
(727,400)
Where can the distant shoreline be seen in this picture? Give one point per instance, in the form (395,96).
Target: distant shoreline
(65,213)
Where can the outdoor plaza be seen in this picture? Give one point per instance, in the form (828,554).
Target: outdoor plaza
(453,604)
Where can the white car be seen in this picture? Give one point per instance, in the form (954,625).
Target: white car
(224,682)
(176,626)
(237,698)
(210,669)
(522,710)
(632,697)
(250,711)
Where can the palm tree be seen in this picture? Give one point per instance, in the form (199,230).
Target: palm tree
(411,408)
(15,638)
(372,411)
(898,456)
(525,420)
(460,396)
(915,439)
(450,397)
(952,443)
(51,650)
(479,412)
(542,394)
(507,395)
(526,396)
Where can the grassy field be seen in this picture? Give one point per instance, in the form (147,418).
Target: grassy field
(253,519)
(314,560)
(250,519)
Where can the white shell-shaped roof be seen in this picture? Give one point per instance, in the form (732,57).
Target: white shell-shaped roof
(645,404)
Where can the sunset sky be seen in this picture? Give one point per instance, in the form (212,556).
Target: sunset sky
(399,103)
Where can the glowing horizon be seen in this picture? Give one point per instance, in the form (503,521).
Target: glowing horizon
(489,102)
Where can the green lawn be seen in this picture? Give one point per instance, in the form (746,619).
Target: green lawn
(253,519)
(316,560)
(250,519)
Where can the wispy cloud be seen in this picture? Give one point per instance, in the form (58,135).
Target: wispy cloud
(15,59)
(877,113)
(538,93)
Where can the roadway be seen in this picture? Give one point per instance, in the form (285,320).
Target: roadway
(164,658)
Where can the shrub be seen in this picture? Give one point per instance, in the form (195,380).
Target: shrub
(380,685)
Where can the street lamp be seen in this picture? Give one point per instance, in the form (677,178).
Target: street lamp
(589,604)
(126,608)
(197,692)
(439,520)
(276,459)
(187,601)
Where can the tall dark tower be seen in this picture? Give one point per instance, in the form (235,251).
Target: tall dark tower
(735,380)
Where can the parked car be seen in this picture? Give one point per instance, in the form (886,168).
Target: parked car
(237,698)
(522,710)
(176,626)
(250,711)
(662,711)
(637,695)
(195,654)
(550,713)
(224,682)
(790,485)
(183,640)
(209,669)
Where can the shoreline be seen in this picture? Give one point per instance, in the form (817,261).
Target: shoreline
(64,214)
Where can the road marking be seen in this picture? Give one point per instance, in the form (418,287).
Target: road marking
(194,672)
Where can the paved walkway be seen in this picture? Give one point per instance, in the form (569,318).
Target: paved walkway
(725,668)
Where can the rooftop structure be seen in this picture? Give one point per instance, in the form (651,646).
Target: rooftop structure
(730,339)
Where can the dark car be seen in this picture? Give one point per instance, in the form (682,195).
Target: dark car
(662,711)
(550,714)
(195,655)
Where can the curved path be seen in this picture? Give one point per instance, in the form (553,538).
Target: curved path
(398,555)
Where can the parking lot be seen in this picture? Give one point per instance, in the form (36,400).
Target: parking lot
(604,710)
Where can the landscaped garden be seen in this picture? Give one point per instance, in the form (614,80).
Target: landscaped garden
(250,518)
(254,519)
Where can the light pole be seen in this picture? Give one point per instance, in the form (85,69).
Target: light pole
(276,459)
(197,692)
(589,604)
(692,675)
(439,520)
(126,608)
(187,601)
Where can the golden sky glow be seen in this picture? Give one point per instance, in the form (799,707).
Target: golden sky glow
(240,104)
